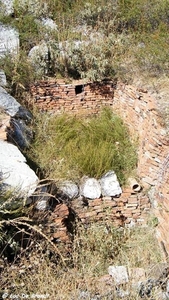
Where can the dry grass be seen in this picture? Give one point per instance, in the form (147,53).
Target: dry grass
(93,250)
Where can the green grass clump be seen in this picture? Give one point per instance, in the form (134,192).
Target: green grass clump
(69,147)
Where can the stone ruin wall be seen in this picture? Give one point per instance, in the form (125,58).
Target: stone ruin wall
(140,113)
(77,97)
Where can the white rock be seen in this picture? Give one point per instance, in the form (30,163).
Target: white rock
(3,81)
(9,41)
(8,103)
(16,175)
(90,188)
(110,185)
(69,188)
(119,274)
(42,204)
(41,197)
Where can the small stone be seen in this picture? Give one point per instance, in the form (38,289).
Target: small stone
(110,185)
(69,188)
(90,188)
(119,274)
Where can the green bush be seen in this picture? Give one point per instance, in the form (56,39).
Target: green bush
(69,147)
(90,61)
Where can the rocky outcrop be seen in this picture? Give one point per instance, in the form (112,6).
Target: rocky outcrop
(3,81)
(19,132)
(4,124)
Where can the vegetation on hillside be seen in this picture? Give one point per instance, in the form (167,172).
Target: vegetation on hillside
(100,39)
(114,39)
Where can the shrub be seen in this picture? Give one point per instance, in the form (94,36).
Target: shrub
(67,146)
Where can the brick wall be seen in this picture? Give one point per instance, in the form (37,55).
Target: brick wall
(77,97)
(140,113)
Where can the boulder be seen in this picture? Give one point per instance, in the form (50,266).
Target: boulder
(18,133)
(15,175)
(9,41)
(90,188)
(24,115)
(110,185)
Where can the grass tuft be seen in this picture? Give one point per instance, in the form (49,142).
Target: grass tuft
(68,147)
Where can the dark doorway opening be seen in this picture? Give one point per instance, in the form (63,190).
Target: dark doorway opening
(78,89)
